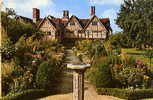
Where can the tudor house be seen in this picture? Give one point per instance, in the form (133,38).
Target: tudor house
(72,28)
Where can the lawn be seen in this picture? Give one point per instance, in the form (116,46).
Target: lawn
(138,54)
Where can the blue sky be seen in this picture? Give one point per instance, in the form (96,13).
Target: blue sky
(80,8)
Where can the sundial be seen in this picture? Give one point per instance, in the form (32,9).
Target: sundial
(78,79)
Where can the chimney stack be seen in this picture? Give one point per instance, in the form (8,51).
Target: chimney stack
(36,15)
(92,11)
(65,14)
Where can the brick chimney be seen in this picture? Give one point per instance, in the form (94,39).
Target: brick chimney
(36,15)
(92,11)
(65,14)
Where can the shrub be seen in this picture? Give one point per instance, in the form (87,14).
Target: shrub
(19,79)
(130,77)
(120,40)
(7,68)
(92,48)
(100,74)
(149,54)
(7,50)
(48,75)
(30,94)
(126,94)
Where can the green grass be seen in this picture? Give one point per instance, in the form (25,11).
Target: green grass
(138,54)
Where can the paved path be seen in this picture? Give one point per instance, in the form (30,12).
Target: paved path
(90,94)
(66,87)
(71,57)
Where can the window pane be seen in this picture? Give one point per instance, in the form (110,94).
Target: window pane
(94,23)
(72,23)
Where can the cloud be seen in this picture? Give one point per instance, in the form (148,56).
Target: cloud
(114,2)
(26,5)
(112,15)
(54,13)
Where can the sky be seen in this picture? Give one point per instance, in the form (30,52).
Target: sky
(79,8)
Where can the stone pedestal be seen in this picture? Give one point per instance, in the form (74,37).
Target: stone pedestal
(0,78)
(78,80)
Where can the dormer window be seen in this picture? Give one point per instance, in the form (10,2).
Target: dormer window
(72,23)
(94,23)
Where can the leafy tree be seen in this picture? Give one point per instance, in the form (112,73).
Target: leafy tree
(135,18)
(15,28)
(6,17)
(120,40)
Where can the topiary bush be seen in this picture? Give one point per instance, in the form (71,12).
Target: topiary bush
(48,76)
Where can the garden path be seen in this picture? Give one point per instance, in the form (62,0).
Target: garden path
(71,58)
(66,87)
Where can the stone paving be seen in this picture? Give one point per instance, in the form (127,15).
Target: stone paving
(71,58)
(66,87)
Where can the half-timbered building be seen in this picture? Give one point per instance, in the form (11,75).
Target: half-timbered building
(72,28)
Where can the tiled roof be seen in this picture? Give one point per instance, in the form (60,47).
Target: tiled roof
(84,22)
(106,23)
(75,18)
(59,23)
(104,20)
(24,18)
(39,21)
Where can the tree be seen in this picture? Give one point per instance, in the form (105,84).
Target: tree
(135,18)
(6,17)
(15,28)
(120,40)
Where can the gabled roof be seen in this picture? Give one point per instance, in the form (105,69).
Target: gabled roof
(76,19)
(84,22)
(38,21)
(106,23)
(24,19)
(56,22)
(46,18)
(59,23)
(104,20)
(92,20)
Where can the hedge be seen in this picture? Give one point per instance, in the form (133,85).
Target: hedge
(27,95)
(126,94)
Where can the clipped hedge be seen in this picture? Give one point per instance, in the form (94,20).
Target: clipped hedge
(126,94)
(27,95)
